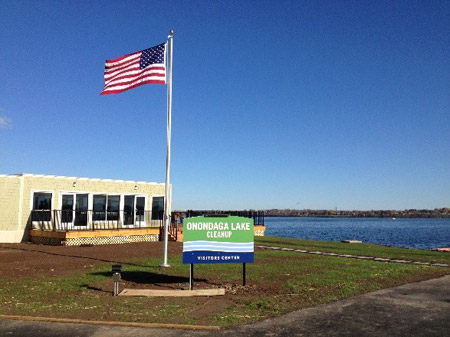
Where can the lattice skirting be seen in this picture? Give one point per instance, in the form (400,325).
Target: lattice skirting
(259,233)
(105,240)
(110,240)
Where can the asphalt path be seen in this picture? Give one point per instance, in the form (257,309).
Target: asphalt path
(415,309)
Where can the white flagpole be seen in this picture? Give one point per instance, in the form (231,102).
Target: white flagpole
(167,197)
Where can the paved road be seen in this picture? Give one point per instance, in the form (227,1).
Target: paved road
(416,309)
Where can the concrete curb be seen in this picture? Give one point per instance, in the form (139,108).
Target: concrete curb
(110,323)
(173,293)
(370,258)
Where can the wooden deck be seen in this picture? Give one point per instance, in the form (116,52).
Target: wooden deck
(107,236)
(94,237)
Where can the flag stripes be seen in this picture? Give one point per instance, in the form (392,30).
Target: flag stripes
(132,70)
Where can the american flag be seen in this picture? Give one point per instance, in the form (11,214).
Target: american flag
(132,70)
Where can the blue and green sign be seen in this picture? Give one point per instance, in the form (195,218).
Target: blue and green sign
(218,240)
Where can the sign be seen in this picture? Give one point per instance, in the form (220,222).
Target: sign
(218,240)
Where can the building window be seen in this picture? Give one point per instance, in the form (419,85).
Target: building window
(113,207)
(157,208)
(128,210)
(67,208)
(134,210)
(99,208)
(106,207)
(140,211)
(42,205)
(81,210)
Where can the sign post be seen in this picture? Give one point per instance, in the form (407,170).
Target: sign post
(209,239)
(191,277)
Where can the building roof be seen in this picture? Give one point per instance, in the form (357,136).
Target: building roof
(77,178)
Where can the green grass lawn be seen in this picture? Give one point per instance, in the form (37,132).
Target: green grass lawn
(278,282)
(360,249)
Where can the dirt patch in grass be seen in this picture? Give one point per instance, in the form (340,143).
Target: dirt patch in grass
(28,260)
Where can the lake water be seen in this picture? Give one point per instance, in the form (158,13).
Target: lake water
(408,233)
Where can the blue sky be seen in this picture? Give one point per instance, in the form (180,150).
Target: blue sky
(276,104)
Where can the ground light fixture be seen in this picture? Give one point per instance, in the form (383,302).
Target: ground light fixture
(116,269)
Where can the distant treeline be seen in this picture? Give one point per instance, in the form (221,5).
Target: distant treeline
(409,213)
(260,214)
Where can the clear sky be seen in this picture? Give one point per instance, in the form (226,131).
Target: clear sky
(276,104)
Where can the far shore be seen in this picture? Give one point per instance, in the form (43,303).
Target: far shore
(437,213)
(440,213)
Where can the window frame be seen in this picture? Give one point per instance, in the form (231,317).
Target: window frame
(50,210)
(95,213)
(106,214)
(159,216)
(109,212)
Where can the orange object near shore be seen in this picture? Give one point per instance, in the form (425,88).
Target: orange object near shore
(442,250)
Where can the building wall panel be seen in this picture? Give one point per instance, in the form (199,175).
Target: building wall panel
(16,196)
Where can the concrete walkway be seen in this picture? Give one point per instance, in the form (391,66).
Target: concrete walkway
(371,258)
(416,309)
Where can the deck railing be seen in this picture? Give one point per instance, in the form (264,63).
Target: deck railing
(68,220)
(88,220)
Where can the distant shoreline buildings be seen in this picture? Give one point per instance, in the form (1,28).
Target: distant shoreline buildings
(409,213)
(259,215)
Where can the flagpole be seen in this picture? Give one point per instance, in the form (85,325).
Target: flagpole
(167,197)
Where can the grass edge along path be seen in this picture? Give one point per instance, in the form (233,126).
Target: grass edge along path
(371,258)
(111,323)
(362,250)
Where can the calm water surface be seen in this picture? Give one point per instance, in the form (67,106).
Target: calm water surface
(408,233)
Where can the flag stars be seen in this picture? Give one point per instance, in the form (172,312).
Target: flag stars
(152,55)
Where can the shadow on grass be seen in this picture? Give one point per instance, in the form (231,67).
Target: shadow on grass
(159,280)
(87,286)
(77,256)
